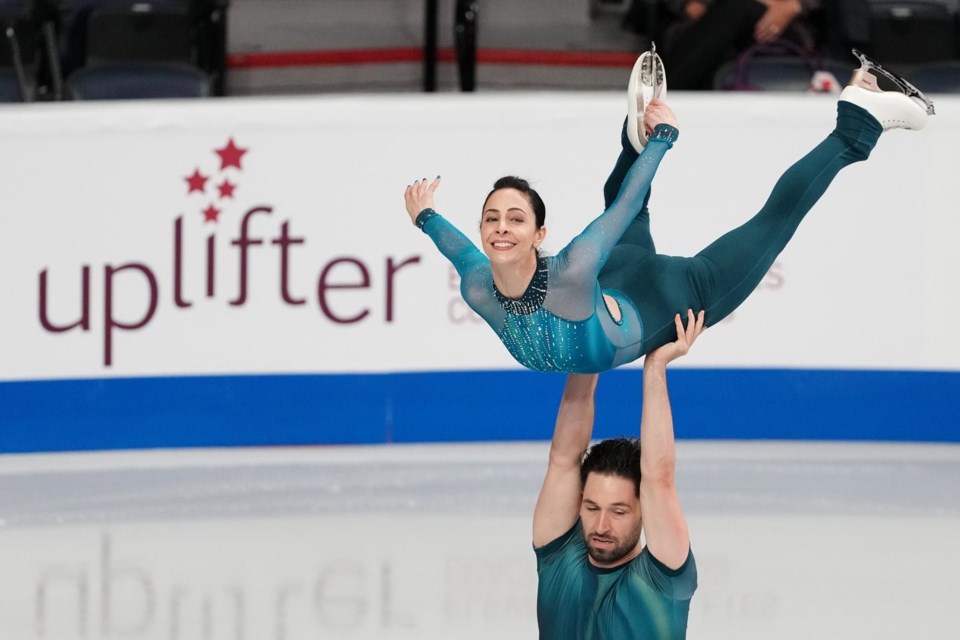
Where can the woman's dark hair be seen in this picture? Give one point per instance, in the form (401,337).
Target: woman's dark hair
(521,185)
(614,457)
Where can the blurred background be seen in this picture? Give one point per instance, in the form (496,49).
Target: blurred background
(57,49)
(241,397)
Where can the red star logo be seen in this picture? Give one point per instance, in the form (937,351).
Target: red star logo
(196,182)
(230,155)
(211,214)
(226,189)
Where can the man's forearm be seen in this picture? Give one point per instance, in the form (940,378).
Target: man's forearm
(657,446)
(574,426)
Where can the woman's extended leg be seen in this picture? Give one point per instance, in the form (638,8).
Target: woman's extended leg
(719,278)
(735,263)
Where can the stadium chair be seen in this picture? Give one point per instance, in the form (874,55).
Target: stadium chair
(127,49)
(142,80)
(786,70)
(937,77)
(913,31)
(898,32)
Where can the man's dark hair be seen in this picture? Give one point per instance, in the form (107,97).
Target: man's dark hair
(521,185)
(615,457)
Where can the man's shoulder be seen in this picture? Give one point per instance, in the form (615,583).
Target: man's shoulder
(570,542)
(648,559)
(675,584)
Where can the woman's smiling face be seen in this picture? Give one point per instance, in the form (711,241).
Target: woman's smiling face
(508,228)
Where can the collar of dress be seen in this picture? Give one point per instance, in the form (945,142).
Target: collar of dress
(532,298)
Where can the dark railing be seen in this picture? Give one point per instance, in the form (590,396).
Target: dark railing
(430,45)
(465,43)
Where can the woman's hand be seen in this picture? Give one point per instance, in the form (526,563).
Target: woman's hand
(419,196)
(658,112)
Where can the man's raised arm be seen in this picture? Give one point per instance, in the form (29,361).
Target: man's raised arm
(664,524)
(559,503)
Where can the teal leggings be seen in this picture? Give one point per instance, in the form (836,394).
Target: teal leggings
(721,276)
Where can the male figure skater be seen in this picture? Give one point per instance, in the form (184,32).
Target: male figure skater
(597,579)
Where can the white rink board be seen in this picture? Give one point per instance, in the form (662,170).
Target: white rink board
(868,281)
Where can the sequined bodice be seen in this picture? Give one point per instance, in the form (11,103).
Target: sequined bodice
(546,342)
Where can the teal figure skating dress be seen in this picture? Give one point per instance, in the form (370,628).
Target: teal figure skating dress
(561,323)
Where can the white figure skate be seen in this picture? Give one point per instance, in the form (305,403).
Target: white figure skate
(648,81)
(906,108)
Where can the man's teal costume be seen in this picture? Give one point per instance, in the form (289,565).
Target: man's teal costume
(639,600)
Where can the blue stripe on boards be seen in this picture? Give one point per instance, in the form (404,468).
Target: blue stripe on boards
(130,413)
(133,413)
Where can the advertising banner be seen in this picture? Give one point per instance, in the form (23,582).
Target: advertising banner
(268,237)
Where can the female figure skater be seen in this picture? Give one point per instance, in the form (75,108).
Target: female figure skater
(608,298)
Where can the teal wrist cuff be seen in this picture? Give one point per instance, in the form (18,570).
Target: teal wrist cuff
(423,216)
(666,132)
